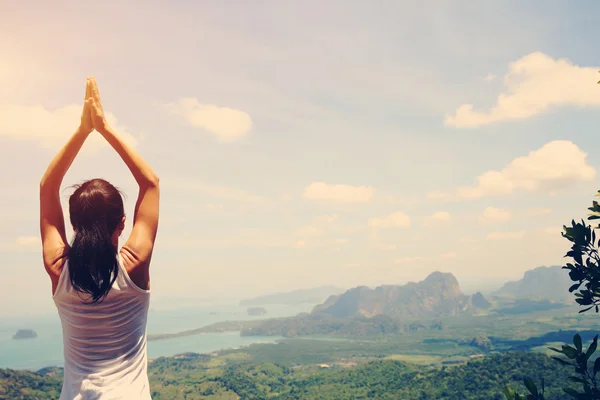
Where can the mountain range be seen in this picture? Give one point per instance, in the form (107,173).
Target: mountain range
(438,295)
(541,283)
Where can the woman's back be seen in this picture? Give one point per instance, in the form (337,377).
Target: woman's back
(105,342)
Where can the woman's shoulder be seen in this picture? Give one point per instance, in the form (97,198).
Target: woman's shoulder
(136,269)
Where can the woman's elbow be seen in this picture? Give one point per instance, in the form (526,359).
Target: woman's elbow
(153,180)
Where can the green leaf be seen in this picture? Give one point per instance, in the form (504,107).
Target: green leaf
(530,386)
(596,366)
(560,360)
(574,287)
(577,342)
(578,380)
(556,350)
(571,392)
(569,352)
(592,348)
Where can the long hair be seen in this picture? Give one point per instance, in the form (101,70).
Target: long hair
(96,210)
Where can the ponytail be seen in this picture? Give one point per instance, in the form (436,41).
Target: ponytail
(93,264)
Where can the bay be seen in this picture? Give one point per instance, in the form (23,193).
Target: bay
(47,349)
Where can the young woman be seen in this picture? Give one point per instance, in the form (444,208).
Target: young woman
(101,292)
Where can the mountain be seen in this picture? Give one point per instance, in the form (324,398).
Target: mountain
(301,296)
(542,283)
(438,295)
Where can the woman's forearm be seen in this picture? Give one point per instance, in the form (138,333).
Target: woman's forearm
(60,164)
(142,172)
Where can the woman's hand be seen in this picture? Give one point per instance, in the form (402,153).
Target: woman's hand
(86,125)
(97,113)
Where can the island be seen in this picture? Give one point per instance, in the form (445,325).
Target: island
(25,334)
(256,311)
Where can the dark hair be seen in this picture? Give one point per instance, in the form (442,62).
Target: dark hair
(96,210)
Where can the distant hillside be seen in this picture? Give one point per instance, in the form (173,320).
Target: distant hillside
(301,296)
(542,283)
(438,295)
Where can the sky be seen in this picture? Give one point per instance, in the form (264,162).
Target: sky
(308,143)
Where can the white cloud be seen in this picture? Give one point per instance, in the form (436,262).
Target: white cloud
(535,212)
(533,84)
(300,244)
(505,235)
(448,255)
(52,128)
(405,260)
(210,190)
(376,242)
(554,230)
(493,215)
(394,220)
(490,77)
(556,165)
(310,230)
(438,217)
(338,193)
(318,227)
(352,265)
(22,244)
(225,123)
(414,259)
(28,241)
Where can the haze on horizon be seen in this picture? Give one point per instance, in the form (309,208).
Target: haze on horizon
(302,144)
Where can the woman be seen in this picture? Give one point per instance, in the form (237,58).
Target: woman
(101,293)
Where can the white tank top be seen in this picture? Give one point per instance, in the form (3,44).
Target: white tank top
(104,343)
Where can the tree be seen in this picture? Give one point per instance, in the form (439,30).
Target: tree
(584,271)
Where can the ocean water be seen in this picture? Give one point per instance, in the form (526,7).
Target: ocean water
(47,349)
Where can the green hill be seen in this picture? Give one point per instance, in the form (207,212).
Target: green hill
(238,376)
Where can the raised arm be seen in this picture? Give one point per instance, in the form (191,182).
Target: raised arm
(52,224)
(137,250)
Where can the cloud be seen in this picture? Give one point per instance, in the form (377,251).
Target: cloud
(554,230)
(318,227)
(51,128)
(448,255)
(505,235)
(376,242)
(533,84)
(300,244)
(405,260)
(556,165)
(492,215)
(414,259)
(28,241)
(225,123)
(338,193)
(438,217)
(352,265)
(310,231)
(22,244)
(210,190)
(535,212)
(394,220)
(490,77)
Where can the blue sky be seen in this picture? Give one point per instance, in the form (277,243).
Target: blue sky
(310,143)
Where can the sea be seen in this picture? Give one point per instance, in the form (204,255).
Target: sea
(46,350)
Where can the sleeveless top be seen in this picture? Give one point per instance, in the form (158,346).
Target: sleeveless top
(104,343)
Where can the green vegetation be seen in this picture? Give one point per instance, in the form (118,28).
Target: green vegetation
(238,375)
(21,385)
